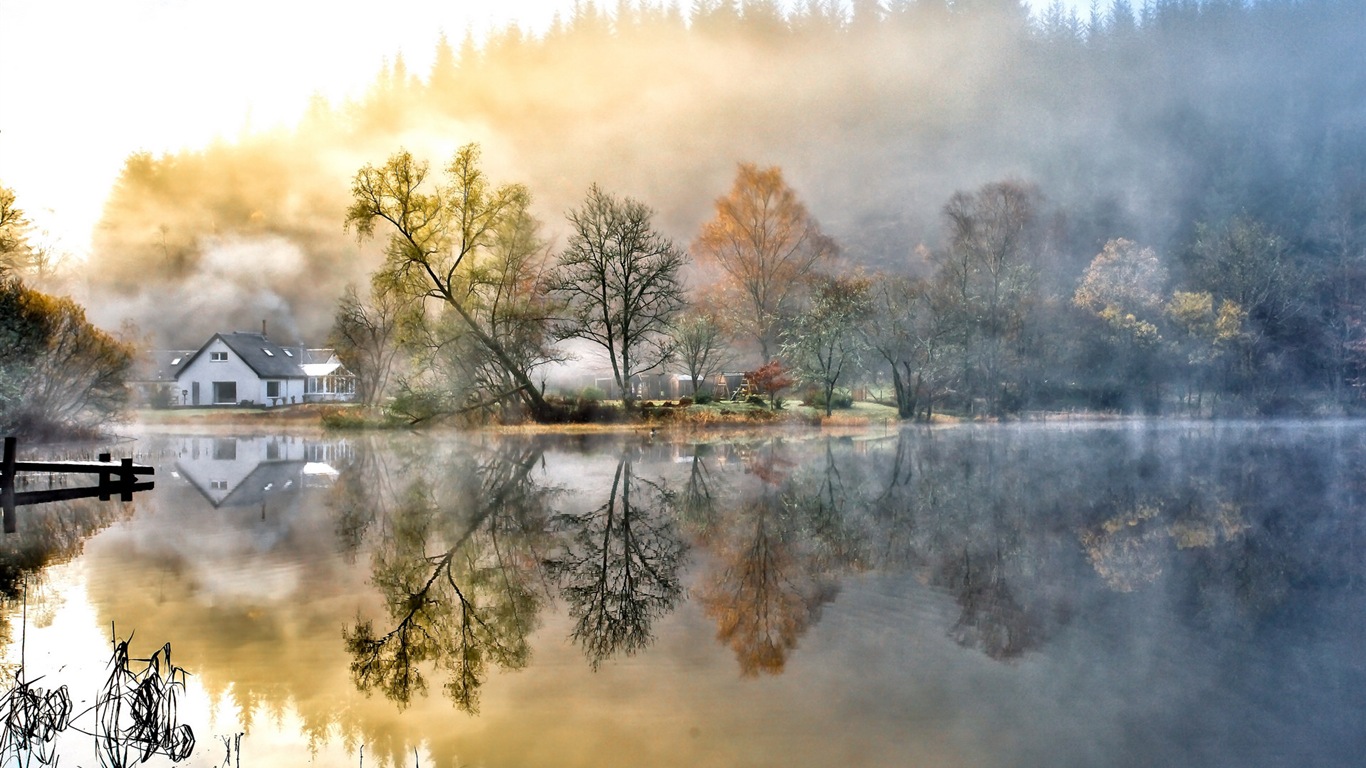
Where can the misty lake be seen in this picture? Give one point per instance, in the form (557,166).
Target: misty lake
(1118,594)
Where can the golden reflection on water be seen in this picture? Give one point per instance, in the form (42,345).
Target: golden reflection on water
(921,600)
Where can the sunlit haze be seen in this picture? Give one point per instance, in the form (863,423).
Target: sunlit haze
(87,83)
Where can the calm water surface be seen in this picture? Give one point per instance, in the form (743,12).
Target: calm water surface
(1154,594)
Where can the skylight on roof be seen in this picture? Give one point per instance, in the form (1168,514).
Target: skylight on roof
(175,361)
(288,353)
(268,352)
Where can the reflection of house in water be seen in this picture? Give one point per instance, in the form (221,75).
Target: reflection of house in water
(245,471)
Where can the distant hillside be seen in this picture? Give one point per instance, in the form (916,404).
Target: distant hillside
(1138,125)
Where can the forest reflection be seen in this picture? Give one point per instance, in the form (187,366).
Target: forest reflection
(452,564)
(1021,528)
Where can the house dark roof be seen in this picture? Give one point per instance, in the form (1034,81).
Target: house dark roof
(160,365)
(266,358)
(268,477)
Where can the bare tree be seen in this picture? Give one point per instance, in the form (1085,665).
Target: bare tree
(368,336)
(911,332)
(701,346)
(766,243)
(620,278)
(989,269)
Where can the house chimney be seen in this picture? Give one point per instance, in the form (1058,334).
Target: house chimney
(263,328)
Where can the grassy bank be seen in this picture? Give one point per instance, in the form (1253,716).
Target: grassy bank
(609,417)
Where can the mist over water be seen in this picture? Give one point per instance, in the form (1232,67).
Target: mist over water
(1162,593)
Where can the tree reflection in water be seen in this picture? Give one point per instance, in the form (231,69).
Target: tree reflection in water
(773,577)
(618,569)
(993,537)
(696,503)
(473,601)
(992,619)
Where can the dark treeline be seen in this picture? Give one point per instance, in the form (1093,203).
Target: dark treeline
(1221,142)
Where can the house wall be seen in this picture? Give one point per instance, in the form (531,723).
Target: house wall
(291,391)
(205,371)
(251,388)
(217,465)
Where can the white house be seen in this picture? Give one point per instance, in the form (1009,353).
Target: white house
(250,369)
(246,471)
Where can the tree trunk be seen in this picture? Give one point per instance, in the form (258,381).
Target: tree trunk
(915,394)
(899,389)
(540,409)
(929,406)
(905,396)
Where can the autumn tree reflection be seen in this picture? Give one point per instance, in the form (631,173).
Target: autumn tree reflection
(762,600)
(618,569)
(775,572)
(457,567)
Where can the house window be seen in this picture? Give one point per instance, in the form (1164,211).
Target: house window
(224,392)
(218,357)
(273,452)
(225,449)
(218,485)
(272,389)
(288,353)
(268,352)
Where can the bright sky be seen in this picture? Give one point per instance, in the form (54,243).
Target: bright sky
(85,83)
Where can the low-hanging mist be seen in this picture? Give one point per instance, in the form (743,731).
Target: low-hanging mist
(1140,126)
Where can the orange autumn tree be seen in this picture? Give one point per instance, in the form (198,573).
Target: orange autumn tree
(770,379)
(766,243)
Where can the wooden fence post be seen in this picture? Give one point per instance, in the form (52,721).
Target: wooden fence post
(7,485)
(104,478)
(126,479)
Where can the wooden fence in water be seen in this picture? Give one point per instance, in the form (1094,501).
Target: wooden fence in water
(114,479)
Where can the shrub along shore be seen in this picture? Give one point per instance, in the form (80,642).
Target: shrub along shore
(604,415)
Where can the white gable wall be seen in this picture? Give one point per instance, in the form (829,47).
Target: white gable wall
(249,387)
(218,465)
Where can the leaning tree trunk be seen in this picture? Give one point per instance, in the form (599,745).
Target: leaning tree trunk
(905,398)
(540,410)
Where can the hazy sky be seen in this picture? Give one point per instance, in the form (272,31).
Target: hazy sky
(84,83)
